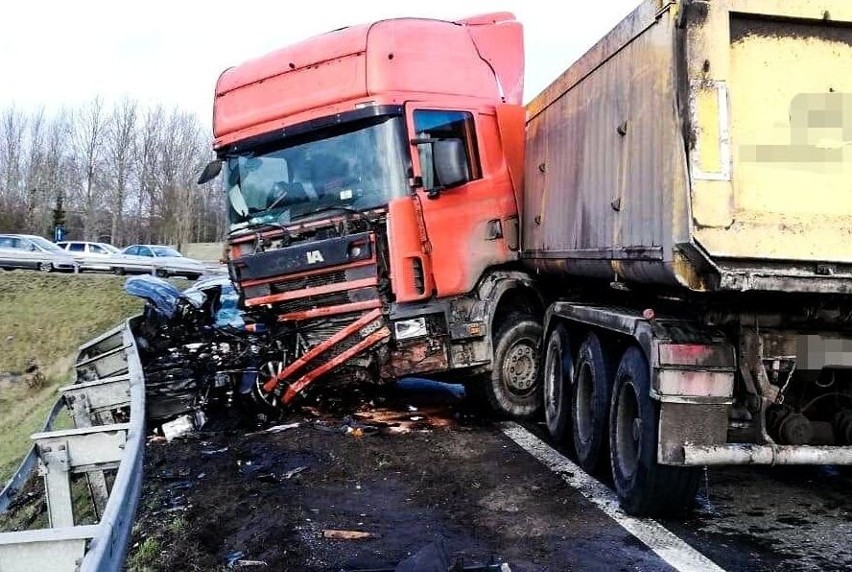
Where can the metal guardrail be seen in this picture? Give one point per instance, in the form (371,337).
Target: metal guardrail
(109,383)
(19,479)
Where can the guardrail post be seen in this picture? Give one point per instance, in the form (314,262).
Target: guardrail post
(97,399)
(54,466)
(88,450)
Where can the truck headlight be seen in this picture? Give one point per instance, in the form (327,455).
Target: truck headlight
(407,329)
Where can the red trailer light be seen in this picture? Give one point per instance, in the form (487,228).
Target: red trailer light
(701,355)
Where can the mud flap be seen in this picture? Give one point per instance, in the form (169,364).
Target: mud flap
(689,424)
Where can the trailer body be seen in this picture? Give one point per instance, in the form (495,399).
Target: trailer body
(702,145)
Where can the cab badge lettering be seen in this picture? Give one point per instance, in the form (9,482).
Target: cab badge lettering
(314,256)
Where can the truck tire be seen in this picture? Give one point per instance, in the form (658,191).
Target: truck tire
(644,487)
(558,373)
(590,400)
(513,389)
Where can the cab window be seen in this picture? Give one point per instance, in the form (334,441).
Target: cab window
(77,247)
(446,136)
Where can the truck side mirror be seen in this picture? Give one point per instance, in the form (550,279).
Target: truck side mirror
(210,172)
(450,163)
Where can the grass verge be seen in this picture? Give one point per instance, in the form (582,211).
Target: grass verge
(43,320)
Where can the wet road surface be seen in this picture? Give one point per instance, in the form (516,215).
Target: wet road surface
(419,467)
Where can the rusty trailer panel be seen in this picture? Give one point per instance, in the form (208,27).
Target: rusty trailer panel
(700,144)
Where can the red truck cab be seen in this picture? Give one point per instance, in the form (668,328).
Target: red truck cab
(373,177)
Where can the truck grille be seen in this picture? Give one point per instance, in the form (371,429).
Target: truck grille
(334,277)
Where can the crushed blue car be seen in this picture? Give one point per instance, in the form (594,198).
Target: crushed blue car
(217,295)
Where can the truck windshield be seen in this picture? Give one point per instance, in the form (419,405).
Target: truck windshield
(357,166)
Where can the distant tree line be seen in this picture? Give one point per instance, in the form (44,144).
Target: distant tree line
(122,174)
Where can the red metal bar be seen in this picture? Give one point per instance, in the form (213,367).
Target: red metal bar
(316,291)
(330,310)
(320,348)
(309,377)
(327,270)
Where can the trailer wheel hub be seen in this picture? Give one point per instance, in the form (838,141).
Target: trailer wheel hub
(520,367)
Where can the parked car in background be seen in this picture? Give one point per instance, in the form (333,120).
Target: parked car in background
(90,255)
(163,261)
(33,252)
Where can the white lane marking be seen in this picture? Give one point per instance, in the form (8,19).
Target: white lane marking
(674,551)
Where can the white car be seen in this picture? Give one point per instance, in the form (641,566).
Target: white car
(162,261)
(34,252)
(90,255)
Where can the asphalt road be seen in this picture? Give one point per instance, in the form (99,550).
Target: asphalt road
(419,468)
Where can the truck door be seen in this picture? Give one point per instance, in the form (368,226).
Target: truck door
(466,199)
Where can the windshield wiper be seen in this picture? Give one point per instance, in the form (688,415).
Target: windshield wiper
(323,209)
(275,203)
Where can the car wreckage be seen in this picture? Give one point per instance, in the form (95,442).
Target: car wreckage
(202,353)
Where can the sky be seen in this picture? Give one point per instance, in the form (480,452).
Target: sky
(55,53)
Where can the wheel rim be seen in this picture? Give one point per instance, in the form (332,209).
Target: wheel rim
(265,373)
(583,403)
(45,266)
(553,383)
(519,367)
(628,431)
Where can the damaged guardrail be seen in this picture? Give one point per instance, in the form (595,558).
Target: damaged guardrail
(106,402)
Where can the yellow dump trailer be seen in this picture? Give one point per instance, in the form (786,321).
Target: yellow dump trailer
(688,208)
(706,144)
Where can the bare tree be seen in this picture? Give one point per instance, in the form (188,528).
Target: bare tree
(33,167)
(12,127)
(125,171)
(180,158)
(146,161)
(120,142)
(88,136)
(58,162)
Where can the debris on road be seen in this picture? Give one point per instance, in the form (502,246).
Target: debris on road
(172,474)
(280,428)
(183,425)
(232,558)
(347,534)
(290,474)
(214,451)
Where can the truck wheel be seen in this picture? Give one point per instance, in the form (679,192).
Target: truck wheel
(558,373)
(644,487)
(256,402)
(590,397)
(513,388)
